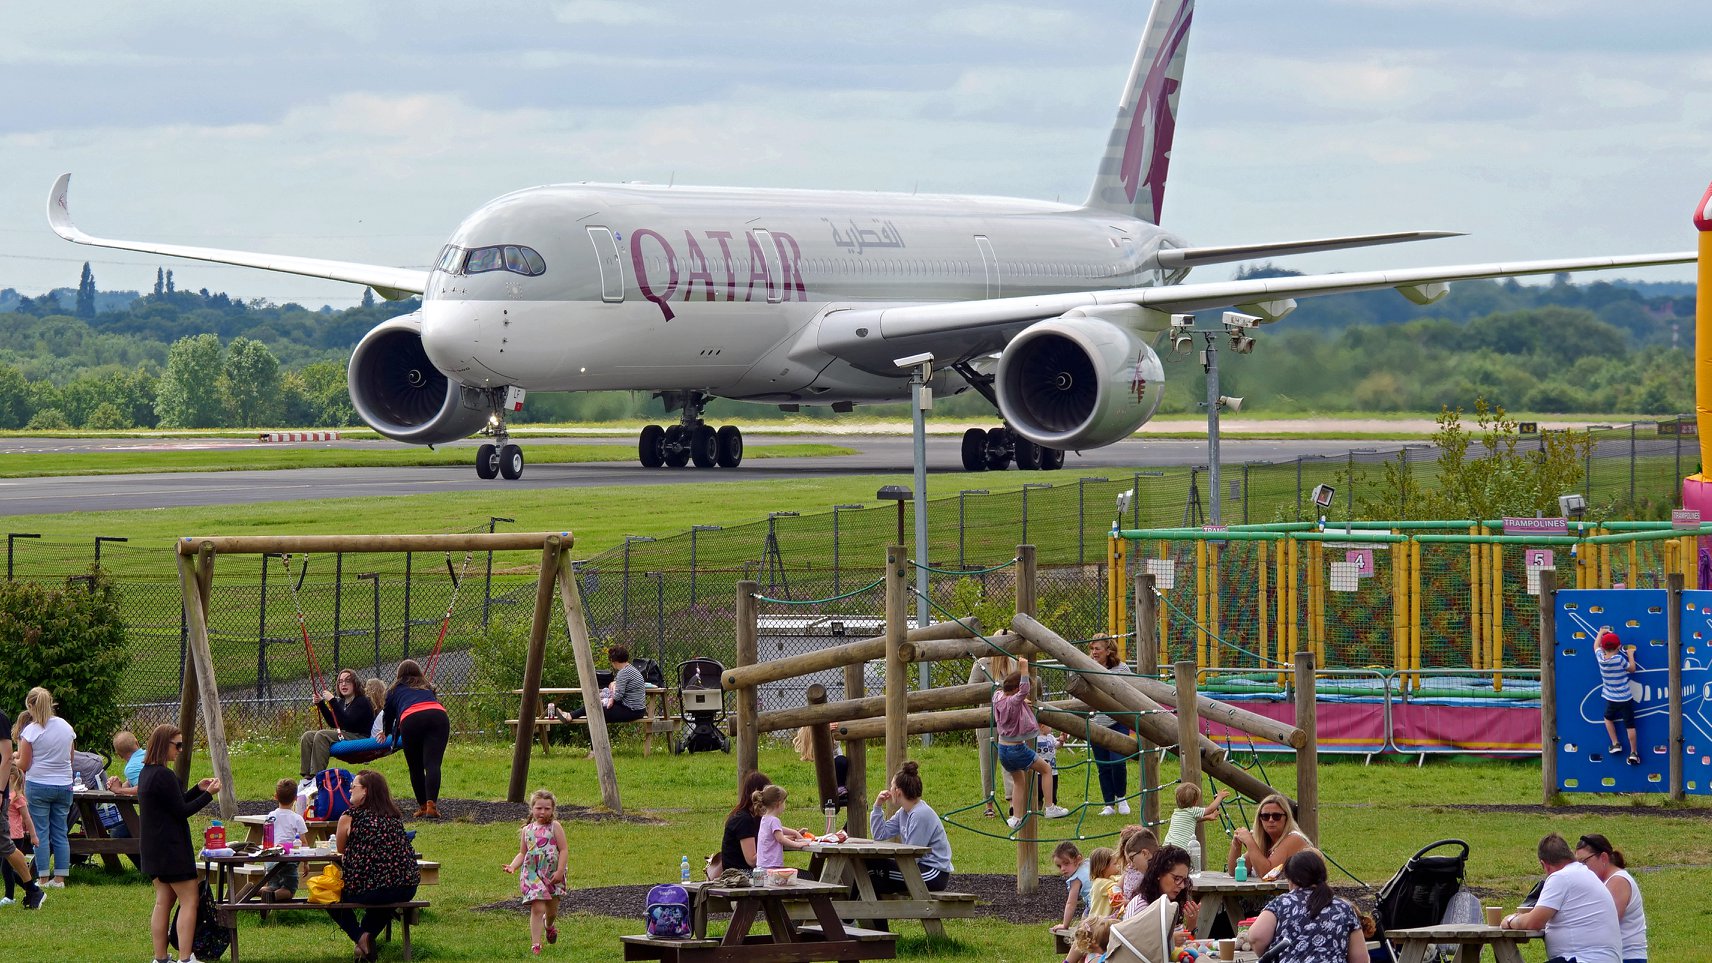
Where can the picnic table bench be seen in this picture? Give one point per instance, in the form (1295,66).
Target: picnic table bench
(785,941)
(231,898)
(654,719)
(847,864)
(95,840)
(1417,943)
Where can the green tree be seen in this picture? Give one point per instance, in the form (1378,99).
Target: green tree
(70,641)
(86,293)
(188,395)
(14,398)
(250,382)
(108,416)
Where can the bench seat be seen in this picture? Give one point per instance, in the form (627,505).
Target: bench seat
(226,915)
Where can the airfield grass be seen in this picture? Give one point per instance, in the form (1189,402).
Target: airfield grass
(1372,819)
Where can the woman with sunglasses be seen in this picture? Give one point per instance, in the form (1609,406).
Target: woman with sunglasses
(1167,877)
(168,856)
(1273,839)
(1320,927)
(1595,852)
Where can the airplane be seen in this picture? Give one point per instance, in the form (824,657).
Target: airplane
(1050,311)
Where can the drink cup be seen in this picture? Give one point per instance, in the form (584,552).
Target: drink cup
(1494,915)
(1227,949)
(287,846)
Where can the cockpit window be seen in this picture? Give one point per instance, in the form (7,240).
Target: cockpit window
(509,257)
(450,255)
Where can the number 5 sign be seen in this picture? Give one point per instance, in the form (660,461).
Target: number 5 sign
(1540,558)
(1362,559)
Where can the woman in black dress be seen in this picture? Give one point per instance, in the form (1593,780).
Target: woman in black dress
(168,856)
(375,858)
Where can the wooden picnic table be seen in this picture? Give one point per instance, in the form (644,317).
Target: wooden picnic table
(847,865)
(319,830)
(785,941)
(654,721)
(1417,943)
(95,840)
(1223,893)
(234,888)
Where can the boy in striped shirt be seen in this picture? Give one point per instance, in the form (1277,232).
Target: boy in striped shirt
(1615,664)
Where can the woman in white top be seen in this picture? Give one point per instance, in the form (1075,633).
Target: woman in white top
(1595,852)
(44,754)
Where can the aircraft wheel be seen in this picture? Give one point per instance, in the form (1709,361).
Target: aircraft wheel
(998,448)
(730,446)
(511,462)
(1027,453)
(1051,459)
(677,447)
(704,446)
(487,462)
(974,450)
(650,447)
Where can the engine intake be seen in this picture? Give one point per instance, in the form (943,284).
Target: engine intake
(1078,382)
(398,392)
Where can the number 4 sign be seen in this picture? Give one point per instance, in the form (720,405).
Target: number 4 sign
(1362,559)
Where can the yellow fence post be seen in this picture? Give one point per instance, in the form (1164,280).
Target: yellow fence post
(1260,599)
(1415,612)
(1201,601)
(1477,600)
(1117,595)
(1215,656)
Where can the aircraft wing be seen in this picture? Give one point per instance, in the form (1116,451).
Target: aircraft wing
(1184,257)
(389,282)
(866,334)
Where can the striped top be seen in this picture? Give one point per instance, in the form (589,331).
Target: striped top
(1613,676)
(628,688)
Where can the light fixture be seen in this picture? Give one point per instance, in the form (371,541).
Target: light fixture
(1323,495)
(1572,506)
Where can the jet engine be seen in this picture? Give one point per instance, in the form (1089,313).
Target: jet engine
(1077,382)
(400,393)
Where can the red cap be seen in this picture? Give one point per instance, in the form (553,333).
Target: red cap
(1609,640)
(1703,213)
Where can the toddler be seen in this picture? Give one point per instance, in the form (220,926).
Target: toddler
(1615,666)
(18,827)
(1046,747)
(280,883)
(541,854)
(1190,813)
(1017,730)
(1091,940)
(774,837)
(1075,871)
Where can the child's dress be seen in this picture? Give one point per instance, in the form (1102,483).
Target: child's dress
(539,862)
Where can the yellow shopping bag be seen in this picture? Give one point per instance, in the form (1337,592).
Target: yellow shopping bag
(328,886)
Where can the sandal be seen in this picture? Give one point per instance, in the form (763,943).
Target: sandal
(990,813)
(552,933)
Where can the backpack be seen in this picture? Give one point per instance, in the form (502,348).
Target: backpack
(332,793)
(210,939)
(651,672)
(668,914)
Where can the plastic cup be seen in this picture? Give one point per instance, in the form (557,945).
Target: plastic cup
(287,846)
(1494,915)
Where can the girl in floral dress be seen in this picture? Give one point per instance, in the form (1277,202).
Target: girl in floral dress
(541,855)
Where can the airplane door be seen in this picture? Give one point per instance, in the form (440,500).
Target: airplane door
(775,270)
(611,268)
(990,264)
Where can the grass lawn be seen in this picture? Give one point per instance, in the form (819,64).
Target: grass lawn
(1373,818)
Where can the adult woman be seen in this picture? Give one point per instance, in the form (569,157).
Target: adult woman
(348,714)
(1594,851)
(625,698)
(1273,839)
(1114,773)
(737,845)
(44,756)
(1320,927)
(1167,877)
(413,712)
(376,861)
(914,824)
(164,809)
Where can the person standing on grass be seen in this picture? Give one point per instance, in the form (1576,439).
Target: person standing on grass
(16,864)
(541,855)
(45,756)
(1109,763)
(1595,852)
(168,857)
(375,858)
(1575,909)
(415,716)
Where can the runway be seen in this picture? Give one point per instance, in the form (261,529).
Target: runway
(876,454)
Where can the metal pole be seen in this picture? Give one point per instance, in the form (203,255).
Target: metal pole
(338,600)
(487,590)
(375,631)
(105,538)
(836,574)
(1211,363)
(262,681)
(923,400)
(1631,464)
(10,538)
(1081,522)
(1025,490)
(629,540)
(659,617)
(407,557)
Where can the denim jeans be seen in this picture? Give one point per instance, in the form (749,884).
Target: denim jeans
(50,809)
(1113,769)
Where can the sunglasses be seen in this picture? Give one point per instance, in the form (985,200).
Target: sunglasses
(178,744)
(1269,817)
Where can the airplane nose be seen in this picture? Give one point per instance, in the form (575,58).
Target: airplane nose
(451,335)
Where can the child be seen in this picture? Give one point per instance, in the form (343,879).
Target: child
(541,853)
(1136,846)
(1075,871)
(280,883)
(1105,894)
(1189,814)
(1046,747)
(1016,729)
(1615,665)
(18,827)
(1090,941)
(774,837)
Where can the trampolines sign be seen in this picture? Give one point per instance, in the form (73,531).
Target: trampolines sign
(1638,616)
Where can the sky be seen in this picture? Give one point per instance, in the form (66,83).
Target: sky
(365,131)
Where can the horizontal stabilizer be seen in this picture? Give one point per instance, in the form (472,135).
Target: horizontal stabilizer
(1188,257)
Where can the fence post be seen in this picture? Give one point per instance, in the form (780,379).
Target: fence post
(748,699)
(487,590)
(338,603)
(1245,493)
(1673,652)
(1081,519)
(10,538)
(1548,685)
(1189,734)
(262,681)
(105,538)
(375,578)
(856,759)
(1308,757)
(1298,488)
(407,577)
(1587,474)
(1147,666)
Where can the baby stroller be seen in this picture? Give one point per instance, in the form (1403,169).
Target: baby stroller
(702,703)
(1427,891)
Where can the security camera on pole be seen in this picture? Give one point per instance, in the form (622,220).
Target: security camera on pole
(1234,325)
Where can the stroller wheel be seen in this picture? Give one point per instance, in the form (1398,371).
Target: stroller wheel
(724,743)
(677,745)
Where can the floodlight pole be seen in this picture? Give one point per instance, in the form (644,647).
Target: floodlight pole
(922,398)
(1210,361)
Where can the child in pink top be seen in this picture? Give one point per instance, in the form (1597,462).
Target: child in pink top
(774,837)
(19,827)
(1013,718)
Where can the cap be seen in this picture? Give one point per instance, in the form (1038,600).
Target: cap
(1609,640)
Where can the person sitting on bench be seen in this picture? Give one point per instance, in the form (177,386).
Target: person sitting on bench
(621,701)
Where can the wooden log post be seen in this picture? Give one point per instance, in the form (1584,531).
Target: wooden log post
(1673,652)
(1147,666)
(856,754)
(944,697)
(208,687)
(1028,851)
(832,657)
(1188,728)
(1548,686)
(897,671)
(748,700)
(533,661)
(1308,756)
(820,746)
(1223,713)
(190,696)
(582,649)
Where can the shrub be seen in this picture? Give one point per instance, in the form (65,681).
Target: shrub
(71,640)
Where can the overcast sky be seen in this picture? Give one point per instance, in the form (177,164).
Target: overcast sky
(366,131)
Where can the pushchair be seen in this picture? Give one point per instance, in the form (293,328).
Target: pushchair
(1427,891)
(701,703)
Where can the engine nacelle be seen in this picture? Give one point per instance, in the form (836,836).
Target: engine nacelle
(399,392)
(1078,382)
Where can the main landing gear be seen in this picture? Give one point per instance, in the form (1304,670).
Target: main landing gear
(996,448)
(691,440)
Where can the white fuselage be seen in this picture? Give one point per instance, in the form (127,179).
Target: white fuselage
(655,288)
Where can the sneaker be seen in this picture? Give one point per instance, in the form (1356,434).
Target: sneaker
(1013,821)
(34,900)
(1056,812)
(1123,807)
(1616,748)
(1108,811)
(1634,759)
(305,784)
(535,948)
(7,901)
(58,882)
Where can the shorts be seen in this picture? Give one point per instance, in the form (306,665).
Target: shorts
(1015,758)
(281,876)
(1623,712)
(6,845)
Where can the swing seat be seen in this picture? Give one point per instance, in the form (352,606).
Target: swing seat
(363,750)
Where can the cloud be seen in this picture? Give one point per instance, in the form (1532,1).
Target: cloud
(606,13)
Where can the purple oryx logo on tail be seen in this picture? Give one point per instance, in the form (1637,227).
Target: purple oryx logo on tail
(1153,114)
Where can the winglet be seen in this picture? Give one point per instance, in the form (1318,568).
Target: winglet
(59,211)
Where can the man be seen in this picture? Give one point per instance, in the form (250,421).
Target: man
(33,892)
(1575,909)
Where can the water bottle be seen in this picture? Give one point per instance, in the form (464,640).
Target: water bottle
(267,833)
(1242,869)
(684,869)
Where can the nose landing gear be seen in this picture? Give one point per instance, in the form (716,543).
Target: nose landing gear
(499,458)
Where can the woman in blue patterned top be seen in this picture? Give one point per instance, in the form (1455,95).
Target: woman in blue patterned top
(1320,927)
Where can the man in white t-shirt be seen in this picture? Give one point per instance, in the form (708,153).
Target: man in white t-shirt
(1575,909)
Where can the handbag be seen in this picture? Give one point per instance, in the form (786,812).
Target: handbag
(328,886)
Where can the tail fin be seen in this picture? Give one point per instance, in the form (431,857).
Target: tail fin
(1131,178)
